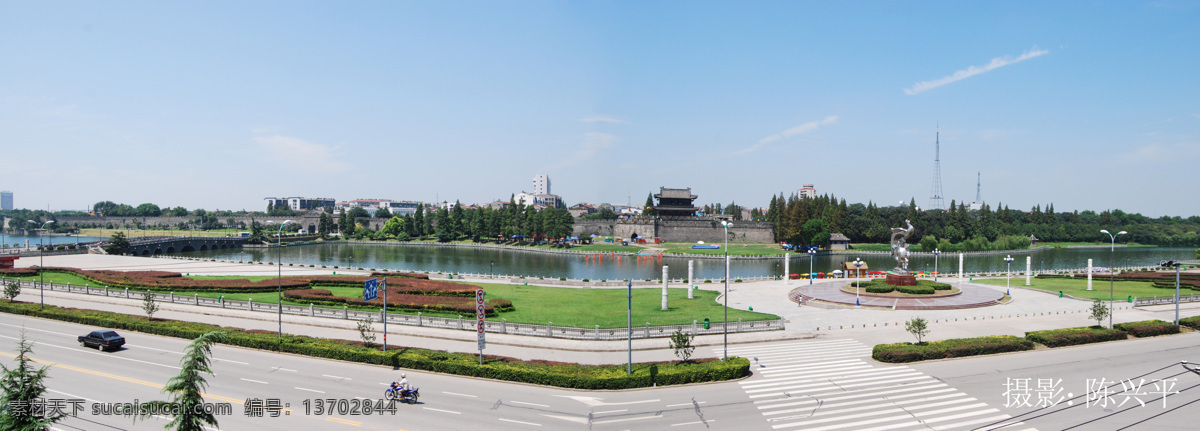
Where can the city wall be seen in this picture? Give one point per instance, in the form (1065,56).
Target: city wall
(677,230)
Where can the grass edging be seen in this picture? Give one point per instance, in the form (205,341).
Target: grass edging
(545,373)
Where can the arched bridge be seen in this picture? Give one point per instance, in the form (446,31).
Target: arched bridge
(145,246)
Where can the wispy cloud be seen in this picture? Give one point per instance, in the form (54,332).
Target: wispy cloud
(798,130)
(1196,115)
(298,153)
(1163,153)
(603,119)
(592,145)
(996,63)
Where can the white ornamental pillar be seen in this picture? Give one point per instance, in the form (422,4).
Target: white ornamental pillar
(691,278)
(787,260)
(1089,274)
(1028,269)
(960,268)
(664,280)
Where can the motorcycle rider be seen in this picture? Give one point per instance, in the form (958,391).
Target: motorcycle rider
(402,386)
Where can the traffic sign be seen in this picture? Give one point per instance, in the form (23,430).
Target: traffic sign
(371,289)
(480,313)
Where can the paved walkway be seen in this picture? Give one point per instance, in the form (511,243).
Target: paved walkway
(1030,310)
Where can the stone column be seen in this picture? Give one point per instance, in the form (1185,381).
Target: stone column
(1089,274)
(664,281)
(1028,269)
(691,277)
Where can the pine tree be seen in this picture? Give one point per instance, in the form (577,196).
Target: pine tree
(24,386)
(186,389)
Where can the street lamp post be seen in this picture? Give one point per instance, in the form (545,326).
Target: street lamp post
(1168,264)
(1112,250)
(812,255)
(725,325)
(492,269)
(858,282)
(279,276)
(42,264)
(1007,288)
(936,252)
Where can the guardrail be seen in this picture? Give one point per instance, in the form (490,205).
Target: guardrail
(1163,300)
(462,324)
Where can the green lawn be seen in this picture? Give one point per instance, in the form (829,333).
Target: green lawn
(577,307)
(1078,288)
(1068,244)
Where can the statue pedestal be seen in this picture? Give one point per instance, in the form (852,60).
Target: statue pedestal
(901,280)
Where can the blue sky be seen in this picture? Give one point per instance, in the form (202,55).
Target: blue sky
(216,105)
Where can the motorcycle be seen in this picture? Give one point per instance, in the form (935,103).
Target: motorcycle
(396,393)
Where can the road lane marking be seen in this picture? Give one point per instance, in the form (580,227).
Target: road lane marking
(336,377)
(343,421)
(519,422)
(39,330)
(529,404)
(694,423)
(255,381)
(310,390)
(443,411)
(461,395)
(613,411)
(284,369)
(610,421)
(595,401)
(687,404)
(230,360)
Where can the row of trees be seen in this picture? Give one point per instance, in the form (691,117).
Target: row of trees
(808,221)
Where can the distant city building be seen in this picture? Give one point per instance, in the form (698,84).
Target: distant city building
(6,202)
(675,202)
(806,192)
(301,203)
(545,200)
(372,205)
(541,184)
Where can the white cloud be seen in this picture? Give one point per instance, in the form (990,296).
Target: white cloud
(1163,153)
(996,63)
(603,119)
(298,153)
(798,130)
(592,145)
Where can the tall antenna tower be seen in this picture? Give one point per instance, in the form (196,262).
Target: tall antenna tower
(935,198)
(978,196)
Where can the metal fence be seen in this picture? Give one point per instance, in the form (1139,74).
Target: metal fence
(460,323)
(1163,300)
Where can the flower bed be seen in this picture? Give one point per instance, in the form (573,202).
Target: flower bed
(1148,328)
(953,348)
(1075,336)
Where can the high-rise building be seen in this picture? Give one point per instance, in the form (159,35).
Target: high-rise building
(807,192)
(541,184)
(6,201)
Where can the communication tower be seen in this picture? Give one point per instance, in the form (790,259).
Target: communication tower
(935,199)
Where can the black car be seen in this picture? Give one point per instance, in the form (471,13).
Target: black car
(102,339)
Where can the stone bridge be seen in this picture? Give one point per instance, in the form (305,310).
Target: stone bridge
(145,246)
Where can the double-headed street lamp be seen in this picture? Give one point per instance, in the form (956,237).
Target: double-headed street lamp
(1007,288)
(279,277)
(727,225)
(1168,264)
(42,264)
(1111,269)
(858,280)
(812,255)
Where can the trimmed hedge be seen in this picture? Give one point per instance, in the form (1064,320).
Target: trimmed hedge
(1148,328)
(953,348)
(915,290)
(1191,322)
(880,288)
(1075,336)
(546,373)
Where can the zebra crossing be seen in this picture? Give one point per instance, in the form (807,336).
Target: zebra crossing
(832,385)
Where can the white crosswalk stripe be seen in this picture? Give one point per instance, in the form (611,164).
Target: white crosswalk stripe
(833,385)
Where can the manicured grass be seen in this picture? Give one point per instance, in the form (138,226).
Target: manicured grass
(735,249)
(1068,244)
(631,248)
(872,247)
(1078,288)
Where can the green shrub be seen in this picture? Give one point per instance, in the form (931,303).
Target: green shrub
(1148,328)
(494,367)
(915,290)
(1075,336)
(880,288)
(953,348)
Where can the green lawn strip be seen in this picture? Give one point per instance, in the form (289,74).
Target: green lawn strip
(494,367)
(1122,290)
(1085,244)
(952,348)
(1075,336)
(632,248)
